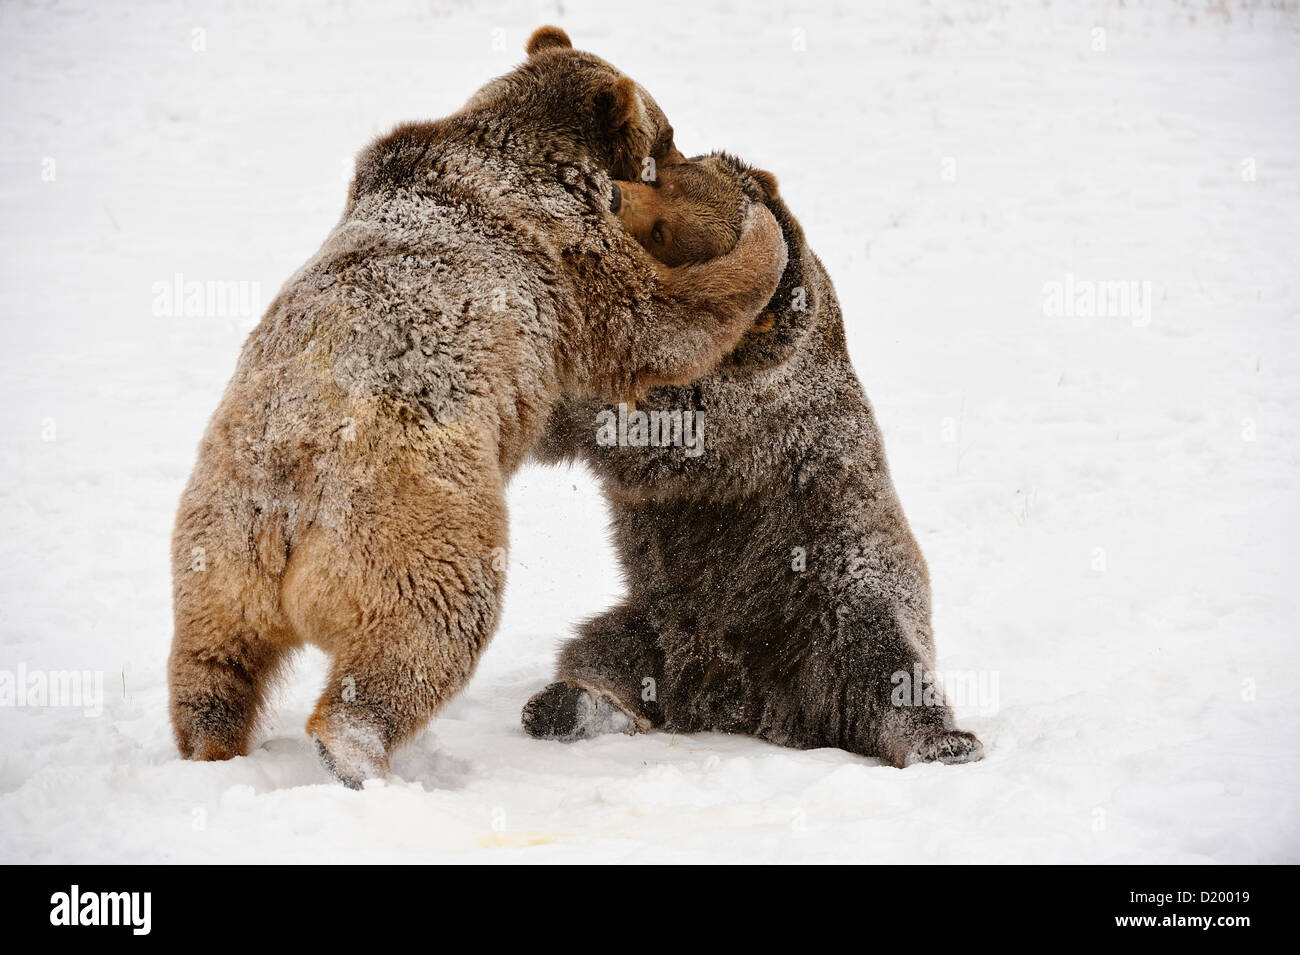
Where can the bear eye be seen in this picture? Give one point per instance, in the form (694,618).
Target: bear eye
(657,234)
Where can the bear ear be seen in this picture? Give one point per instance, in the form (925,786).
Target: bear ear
(547,38)
(765,181)
(621,104)
(622,113)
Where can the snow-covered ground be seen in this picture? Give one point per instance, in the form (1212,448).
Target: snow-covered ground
(1108,503)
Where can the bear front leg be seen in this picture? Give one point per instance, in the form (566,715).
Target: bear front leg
(701,312)
(878,657)
(606,682)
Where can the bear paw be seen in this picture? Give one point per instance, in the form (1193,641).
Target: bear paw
(351,752)
(568,712)
(941,746)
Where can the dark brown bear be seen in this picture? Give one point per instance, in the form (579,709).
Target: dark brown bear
(774,586)
(350,489)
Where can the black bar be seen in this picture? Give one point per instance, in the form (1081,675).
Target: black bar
(336,904)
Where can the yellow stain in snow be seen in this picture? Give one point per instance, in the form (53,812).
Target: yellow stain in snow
(511,840)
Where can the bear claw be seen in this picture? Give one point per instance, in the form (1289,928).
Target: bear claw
(948,746)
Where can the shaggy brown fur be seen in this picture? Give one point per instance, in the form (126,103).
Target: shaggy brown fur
(350,489)
(774,586)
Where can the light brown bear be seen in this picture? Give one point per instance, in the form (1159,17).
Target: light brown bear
(774,585)
(350,489)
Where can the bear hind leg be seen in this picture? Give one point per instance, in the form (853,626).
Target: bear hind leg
(404,597)
(221,665)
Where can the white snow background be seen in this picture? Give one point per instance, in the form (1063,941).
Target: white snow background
(1108,505)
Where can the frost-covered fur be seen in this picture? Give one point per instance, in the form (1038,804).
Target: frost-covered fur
(349,491)
(774,587)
